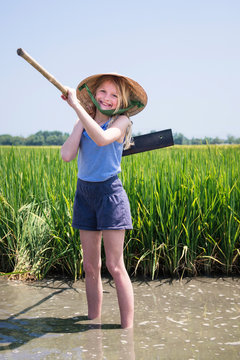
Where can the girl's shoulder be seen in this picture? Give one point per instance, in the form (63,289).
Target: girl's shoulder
(122,119)
(123,116)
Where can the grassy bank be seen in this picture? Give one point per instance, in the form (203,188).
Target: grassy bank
(185,204)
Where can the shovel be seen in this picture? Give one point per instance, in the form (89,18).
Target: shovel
(142,143)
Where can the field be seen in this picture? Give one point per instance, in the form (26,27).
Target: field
(185,204)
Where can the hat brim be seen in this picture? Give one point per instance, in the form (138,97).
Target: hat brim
(136,91)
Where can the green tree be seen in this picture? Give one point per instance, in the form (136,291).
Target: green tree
(34,140)
(180,139)
(6,139)
(18,140)
(231,140)
(196,141)
(217,140)
(53,140)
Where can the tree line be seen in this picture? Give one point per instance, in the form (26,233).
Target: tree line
(48,138)
(41,138)
(180,139)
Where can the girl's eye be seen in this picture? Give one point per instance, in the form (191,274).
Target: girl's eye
(114,95)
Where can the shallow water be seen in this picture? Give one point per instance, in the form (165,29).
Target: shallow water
(190,319)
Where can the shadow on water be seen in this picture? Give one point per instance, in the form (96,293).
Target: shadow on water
(17,332)
(189,319)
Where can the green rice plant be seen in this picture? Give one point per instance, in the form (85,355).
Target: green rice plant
(181,202)
(185,205)
(24,243)
(33,181)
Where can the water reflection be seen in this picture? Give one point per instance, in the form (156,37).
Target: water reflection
(17,332)
(91,338)
(190,319)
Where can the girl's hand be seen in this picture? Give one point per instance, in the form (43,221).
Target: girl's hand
(71,98)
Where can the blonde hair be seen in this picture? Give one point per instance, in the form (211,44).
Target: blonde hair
(123,102)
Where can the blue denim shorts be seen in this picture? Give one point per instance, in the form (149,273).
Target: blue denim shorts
(101,206)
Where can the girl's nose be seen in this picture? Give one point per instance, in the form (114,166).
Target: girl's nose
(107,97)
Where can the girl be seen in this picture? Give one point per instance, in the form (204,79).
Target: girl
(103,104)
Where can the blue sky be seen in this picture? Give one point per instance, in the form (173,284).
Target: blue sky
(185,54)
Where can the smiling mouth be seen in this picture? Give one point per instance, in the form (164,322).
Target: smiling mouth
(105,105)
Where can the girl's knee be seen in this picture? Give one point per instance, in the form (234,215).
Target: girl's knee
(92,269)
(115,270)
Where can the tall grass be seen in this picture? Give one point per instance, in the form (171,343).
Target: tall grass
(185,204)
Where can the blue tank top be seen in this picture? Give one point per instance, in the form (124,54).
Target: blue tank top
(98,163)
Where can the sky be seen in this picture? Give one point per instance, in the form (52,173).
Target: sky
(185,54)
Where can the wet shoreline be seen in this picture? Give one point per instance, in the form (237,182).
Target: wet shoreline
(196,318)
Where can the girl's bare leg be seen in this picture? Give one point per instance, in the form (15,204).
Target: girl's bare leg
(91,245)
(113,244)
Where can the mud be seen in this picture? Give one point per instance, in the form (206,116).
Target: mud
(190,319)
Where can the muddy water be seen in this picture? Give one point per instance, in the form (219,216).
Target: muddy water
(189,319)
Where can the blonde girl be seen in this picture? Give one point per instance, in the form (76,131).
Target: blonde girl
(103,104)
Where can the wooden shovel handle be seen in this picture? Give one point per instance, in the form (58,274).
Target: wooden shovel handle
(44,72)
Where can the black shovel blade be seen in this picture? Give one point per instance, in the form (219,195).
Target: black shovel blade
(152,141)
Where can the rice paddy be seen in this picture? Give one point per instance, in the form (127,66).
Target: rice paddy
(185,204)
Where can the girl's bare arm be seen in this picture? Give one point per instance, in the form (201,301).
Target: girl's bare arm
(115,133)
(69,149)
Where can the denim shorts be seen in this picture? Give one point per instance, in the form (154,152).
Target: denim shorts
(101,206)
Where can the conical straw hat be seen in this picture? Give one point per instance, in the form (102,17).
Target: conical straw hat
(137,93)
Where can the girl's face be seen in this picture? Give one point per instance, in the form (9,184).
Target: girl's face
(107,95)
